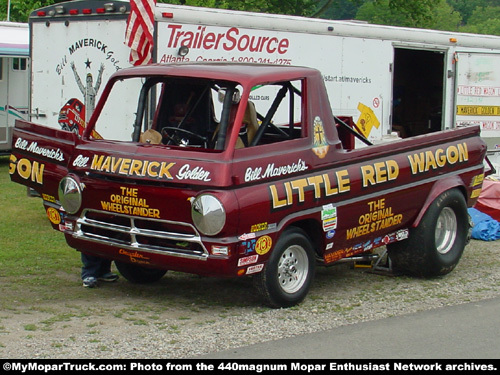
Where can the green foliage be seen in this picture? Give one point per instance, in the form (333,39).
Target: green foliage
(476,16)
(21,9)
(442,17)
(484,20)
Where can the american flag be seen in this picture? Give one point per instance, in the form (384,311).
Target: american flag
(139,34)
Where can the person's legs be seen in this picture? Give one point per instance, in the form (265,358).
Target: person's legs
(96,268)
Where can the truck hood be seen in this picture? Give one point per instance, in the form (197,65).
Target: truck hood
(42,156)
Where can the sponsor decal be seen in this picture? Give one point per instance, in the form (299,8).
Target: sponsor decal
(67,226)
(248,246)
(334,256)
(135,256)
(478,110)
(263,245)
(321,146)
(254,269)
(475,193)
(258,227)
(53,215)
(478,180)
(246,236)
(48,198)
(247,260)
(330,234)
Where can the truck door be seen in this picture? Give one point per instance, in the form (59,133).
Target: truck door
(418,91)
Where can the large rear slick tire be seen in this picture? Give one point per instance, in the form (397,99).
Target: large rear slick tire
(139,275)
(287,276)
(436,245)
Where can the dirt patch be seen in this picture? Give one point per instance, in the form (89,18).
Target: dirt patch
(183,315)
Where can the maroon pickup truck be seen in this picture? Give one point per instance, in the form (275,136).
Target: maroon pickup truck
(233,170)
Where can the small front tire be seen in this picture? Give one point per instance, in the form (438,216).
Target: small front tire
(287,276)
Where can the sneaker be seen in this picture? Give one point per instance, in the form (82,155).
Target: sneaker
(89,282)
(108,277)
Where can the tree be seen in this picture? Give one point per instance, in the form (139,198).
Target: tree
(484,20)
(21,9)
(442,17)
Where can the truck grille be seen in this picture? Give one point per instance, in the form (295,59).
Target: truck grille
(135,233)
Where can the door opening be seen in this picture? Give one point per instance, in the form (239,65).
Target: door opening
(418,87)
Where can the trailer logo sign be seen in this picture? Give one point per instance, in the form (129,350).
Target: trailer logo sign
(232,39)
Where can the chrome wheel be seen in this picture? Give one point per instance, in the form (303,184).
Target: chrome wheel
(293,269)
(446,230)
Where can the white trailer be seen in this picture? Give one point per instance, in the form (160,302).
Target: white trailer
(14,79)
(392,81)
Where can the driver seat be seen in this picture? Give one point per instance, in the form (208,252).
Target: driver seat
(251,121)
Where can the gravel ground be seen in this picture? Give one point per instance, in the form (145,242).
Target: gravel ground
(184,316)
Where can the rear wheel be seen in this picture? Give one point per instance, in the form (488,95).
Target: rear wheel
(139,275)
(436,245)
(287,276)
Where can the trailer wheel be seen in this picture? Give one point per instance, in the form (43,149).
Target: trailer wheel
(287,276)
(139,275)
(436,245)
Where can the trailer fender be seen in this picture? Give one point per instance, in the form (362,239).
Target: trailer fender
(438,188)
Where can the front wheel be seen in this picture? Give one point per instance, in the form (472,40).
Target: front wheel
(436,245)
(139,275)
(287,276)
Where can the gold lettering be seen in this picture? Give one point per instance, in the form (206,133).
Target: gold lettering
(316,181)
(135,168)
(97,162)
(24,168)
(125,167)
(165,170)
(277,203)
(151,172)
(300,185)
(328,187)
(12,164)
(368,174)
(344,182)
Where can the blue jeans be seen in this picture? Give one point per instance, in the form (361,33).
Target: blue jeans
(94,266)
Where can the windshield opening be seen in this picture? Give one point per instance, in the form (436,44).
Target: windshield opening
(170,111)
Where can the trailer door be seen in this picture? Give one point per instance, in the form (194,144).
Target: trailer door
(478,94)
(418,91)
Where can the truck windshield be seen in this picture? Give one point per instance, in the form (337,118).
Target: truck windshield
(178,112)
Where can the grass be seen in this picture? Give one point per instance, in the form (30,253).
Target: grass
(33,256)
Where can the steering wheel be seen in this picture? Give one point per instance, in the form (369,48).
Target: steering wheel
(176,139)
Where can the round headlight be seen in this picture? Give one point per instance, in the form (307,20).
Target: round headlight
(70,194)
(208,214)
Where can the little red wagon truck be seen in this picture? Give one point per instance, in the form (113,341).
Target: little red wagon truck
(231,170)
